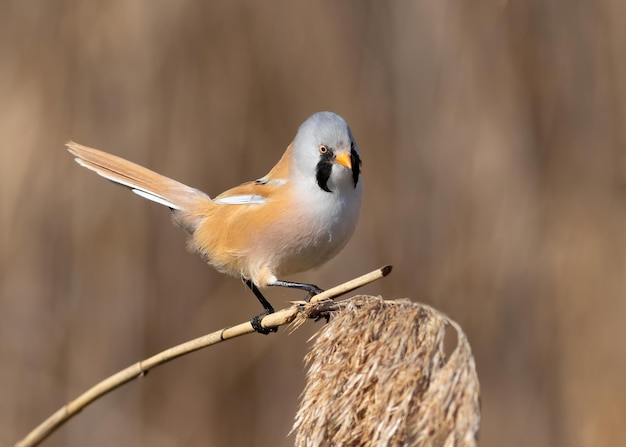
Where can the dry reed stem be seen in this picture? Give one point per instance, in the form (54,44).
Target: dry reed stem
(279,318)
(378,376)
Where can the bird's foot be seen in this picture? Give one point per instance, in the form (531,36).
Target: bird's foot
(313,290)
(256,324)
(325,316)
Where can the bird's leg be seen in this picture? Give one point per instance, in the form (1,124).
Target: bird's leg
(256,321)
(312,289)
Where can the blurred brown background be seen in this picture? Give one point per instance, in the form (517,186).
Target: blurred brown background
(493,136)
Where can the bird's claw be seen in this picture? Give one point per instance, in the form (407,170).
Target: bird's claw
(258,327)
(314,290)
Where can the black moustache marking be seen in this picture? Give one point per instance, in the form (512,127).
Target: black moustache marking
(323,169)
(356,165)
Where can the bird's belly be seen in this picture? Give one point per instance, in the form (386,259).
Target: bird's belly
(310,244)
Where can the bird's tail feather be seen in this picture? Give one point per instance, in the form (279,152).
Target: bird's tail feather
(142,181)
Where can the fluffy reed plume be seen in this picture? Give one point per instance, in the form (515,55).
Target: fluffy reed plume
(378,376)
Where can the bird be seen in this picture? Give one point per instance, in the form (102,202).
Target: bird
(295,218)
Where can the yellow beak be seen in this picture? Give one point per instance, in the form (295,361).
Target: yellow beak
(344,160)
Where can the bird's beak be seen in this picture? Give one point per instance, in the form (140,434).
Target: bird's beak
(344,160)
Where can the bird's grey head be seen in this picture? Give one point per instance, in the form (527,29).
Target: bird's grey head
(325,148)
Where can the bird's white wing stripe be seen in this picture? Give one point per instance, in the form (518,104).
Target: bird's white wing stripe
(242,199)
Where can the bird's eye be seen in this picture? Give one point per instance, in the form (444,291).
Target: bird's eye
(323,149)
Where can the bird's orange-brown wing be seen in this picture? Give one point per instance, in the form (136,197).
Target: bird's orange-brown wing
(244,230)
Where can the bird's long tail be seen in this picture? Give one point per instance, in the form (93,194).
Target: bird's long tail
(142,181)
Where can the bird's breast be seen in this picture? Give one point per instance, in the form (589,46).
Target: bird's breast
(320,226)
